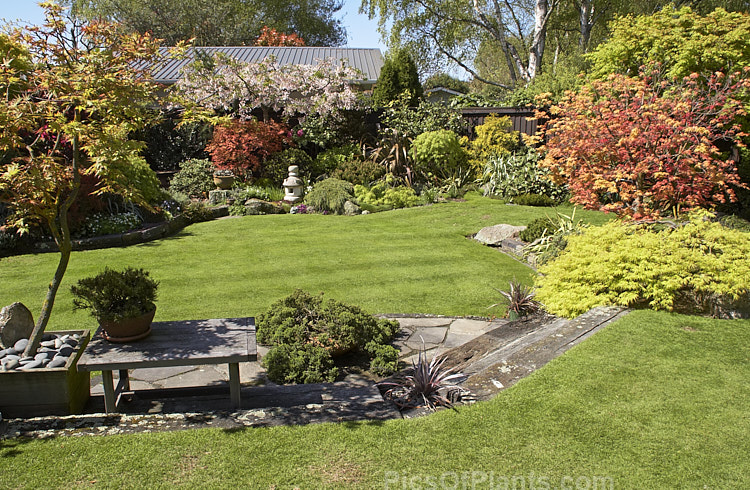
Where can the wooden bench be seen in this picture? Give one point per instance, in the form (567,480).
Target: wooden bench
(183,343)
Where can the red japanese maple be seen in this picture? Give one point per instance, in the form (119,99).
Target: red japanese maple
(242,146)
(645,147)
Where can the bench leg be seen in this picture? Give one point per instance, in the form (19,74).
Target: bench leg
(234,384)
(124,384)
(109,392)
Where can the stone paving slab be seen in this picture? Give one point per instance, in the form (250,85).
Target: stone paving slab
(156,374)
(493,354)
(428,336)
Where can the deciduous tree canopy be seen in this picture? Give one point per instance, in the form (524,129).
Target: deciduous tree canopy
(221,22)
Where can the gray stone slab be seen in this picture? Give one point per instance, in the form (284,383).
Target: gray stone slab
(151,375)
(412,323)
(250,373)
(430,335)
(472,327)
(202,376)
(454,339)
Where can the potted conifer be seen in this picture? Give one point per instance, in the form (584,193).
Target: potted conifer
(121,301)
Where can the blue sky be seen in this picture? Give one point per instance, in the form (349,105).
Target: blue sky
(362,33)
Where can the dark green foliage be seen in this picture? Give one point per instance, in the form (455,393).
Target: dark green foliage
(384,358)
(319,131)
(276,167)
(536,229)
(398,75)
(197,212)
(114,295)
(409,121)
(330,195)
(167,145)
(533,200)
(359,171)
(306,332)
(194,179)
(327,162)
(446,81)
(300,363)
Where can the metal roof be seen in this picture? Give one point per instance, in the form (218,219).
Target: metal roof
(368,61)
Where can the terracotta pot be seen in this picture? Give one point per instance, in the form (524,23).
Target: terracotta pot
(224,182)
(128,329)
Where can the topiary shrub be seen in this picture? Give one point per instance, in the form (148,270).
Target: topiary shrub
(700,267)
(330,195)
(194,179)
(307,332)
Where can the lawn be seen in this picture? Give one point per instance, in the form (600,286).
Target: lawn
(655,400)
(405,261)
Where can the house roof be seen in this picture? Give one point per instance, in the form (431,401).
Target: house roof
(368,61)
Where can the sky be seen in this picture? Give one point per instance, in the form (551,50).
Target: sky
(361,32)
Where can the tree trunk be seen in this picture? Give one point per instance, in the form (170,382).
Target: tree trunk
(542,11)
(61,233)
(585,16)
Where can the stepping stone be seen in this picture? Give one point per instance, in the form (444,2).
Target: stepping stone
(199,377)
(456,339)
(471,327)
(414,323)
(156,374)
(428,336)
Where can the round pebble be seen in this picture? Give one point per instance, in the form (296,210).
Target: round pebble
(11,364)
(30,365)
(21,344)
(57,362)
(47,343)
(66,350)
(42,356)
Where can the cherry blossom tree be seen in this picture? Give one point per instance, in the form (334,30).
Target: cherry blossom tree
(222,84)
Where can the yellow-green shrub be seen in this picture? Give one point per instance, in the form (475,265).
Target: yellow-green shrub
(494,137)
(688,269)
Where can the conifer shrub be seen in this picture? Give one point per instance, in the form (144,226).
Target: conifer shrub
(306,334)
(330,195)
(700,267)
(535,229)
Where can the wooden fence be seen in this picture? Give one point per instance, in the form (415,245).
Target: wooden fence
(522,118)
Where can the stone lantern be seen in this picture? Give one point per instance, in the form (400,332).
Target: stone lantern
(293,185)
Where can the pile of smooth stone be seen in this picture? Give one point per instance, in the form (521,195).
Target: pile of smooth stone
(16,325)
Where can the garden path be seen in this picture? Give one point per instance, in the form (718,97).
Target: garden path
(493,354)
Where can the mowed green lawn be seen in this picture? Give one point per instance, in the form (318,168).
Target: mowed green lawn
(653,401)
(405,261)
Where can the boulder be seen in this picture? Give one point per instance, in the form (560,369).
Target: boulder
(256,206)
(351,209)
(16,323)
(494,235)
